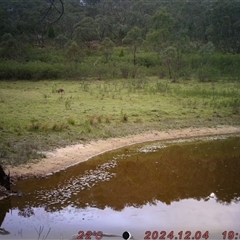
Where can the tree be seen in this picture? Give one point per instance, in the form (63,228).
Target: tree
(163,20)
(107,48)
(9,47)
(207,49)
(86,31)
(169,59)
(65,25)
(74,53)
(160,41)
(135,39)
(224,30)
(33,18)
(61,40)
(181,43)
(159,36)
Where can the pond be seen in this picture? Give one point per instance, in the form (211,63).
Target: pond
(178,189)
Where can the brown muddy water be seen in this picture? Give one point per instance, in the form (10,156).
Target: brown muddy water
(179,189)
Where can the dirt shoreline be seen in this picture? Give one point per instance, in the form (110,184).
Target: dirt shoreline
(65,157)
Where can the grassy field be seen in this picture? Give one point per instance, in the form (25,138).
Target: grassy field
(34,117)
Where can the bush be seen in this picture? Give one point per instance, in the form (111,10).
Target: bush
(206,74)
(147,60)
(125,70)
(226,65)
(100,71)
(30,71)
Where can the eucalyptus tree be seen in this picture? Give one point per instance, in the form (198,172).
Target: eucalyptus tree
(134,38)
(192,17)
(74,54)
(224,30)
(61,41)
(9,47)
(32,18)
(140,15)
(107,48)
(169,59)
(158,37)
(86,31)
(116,18)
(160,41)
(73,14)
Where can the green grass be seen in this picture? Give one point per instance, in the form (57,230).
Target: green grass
(35,118)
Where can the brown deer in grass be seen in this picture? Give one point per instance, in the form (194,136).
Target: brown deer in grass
(5,179)
(61,91)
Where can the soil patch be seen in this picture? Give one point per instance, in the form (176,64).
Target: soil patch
(71,155)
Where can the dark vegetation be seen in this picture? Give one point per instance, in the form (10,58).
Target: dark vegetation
(104,39)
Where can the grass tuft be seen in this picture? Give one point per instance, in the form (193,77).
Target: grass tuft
(68,103)
(35,125)
(124,117)
(99,119)
(71,121)
(107,120)
(58,127)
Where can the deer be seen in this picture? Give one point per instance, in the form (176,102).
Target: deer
(61,91)
(5,179)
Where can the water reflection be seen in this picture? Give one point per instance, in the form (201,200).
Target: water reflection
(179,171)
(168,176)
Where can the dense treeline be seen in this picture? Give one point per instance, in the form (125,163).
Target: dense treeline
(167,38)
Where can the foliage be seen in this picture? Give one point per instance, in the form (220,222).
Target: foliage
(172,64)
(61,41)
(10,48)
(107,48)
(224,28)
(208,74)
(74,53)
(86,31)
(203,21)
(169,59)
(175,39)
(51,32)
(134,39)
(207,49)
(30,71)
(147,59)
(158,37)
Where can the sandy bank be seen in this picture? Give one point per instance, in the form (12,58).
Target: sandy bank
(70,155)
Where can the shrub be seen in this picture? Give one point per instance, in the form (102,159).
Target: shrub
(71,121)
(147,60)
(205,74)
(30,71)
(125,70)
(100,71)
(121,54)
(162,87)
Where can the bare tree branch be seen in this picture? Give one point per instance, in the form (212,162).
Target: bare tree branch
(62,11)
(52,5)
